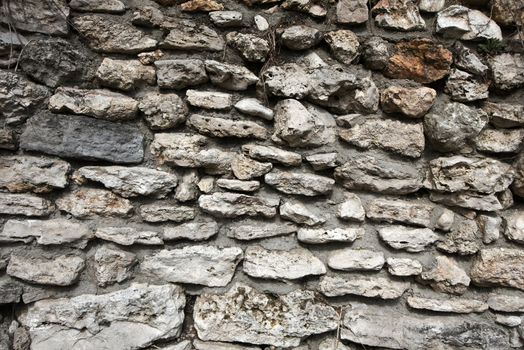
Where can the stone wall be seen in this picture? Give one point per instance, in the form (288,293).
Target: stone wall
(261,174)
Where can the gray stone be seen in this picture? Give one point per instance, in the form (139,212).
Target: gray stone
(129,235)
(300,37)
(187,189)
(288,80)
(469,61)
(499,141)
(113,265)
(499,267)
(180,73)
(19,97)
(203,265)
(246,168)
(253,107)
(489,226)
(229,76)
(445,275)
(518,183)
(323,161)
(110,35)
(464,238)
(362,285)
(504,115)
(515,227)
(162,111)
(379,173)
(431,5)
(272,154)
(329,343)
(25,204)
(403,267)
(352,11)
(343,44)
(281,264)
(410,239)
(453,127)
(247,230)
(406,139)
(402,15)
(232,317)
(47,232)
(251,47)
(221,127)
(125,74)
(300,214)
(356,260)
(111,6)
(8,140)
(351,209)
(388,327)
(183,345)
(87,202)
(162,212)
(97,103)
(458,306)
(188,35)
(98,321)
(508,321)
(468,200)
(59,135)
(506,303)
(507,70)
(296,183)
(209,99)
(232,205)
(320,235)
(209,345)
(261,23)
(37,16)
(194,231)
(376,52)
(410,102)
(464,87)
(226,19)
(238,185)
(460,22)
(10,292)
(417,213)
(36,174)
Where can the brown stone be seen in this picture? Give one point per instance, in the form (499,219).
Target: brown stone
(201,5)
(410,102)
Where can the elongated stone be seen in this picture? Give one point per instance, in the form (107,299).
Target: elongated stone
(253,107)
(129,235)
(504,115)
(300,214)
(499,141)
(281,264)
(111,6)
(180,73)
(221,127)
(188,35)
(83,203)
(366,286)
(38,16)
(238,185)
(323,161)
(458,306)
(232,317)
(203,265)
(299,183)
(131,181)
(210,99)
(403,267)
(458,21)
(446,276)
(194,231)
(410,239)
(356,260)
(320,235)
(506,303)
(125,75)
(162,212)
(499,267)
(230,76)
(249,229)
(468,200)
(25,204)
(231,205)
(272,154)
(74,136)
(246,168)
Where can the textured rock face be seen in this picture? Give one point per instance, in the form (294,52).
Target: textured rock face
(24,204)
(446,276)
(233,317)
(113,265)
(411,102)
(459,306)
(401,15)
(128,318)
(371,287)
(221,127)
(187,35)
(124,74)
(38,16)
(162,212)
(127,236)
(461,22)
(508,71)
(163,111)
(86,202)
(409,239)
(231,205)
(249,230)
(299,183)
(499,267)
(180,73)
(356,260)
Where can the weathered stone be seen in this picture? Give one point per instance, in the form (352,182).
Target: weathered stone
(110,35)
(410,239)
(376,52)
(25,204)
(128,235)
(507,70)
(47,232)
(515,227)
(125,74)
(300,37)
(231,205)
(163,111)
(507,13)
(406,139)
(251,47)
(209,99)
(272,154)
(261,23)
(499,141)
(463,239)
(304,184)
(362,285)
(201,5)
(410,212)
(452,127)
(343,44)
(323,161)
(301,125)
(460,22)
(203,265)
(388,327)
(131,318)
(19,97)
(499,267)
(148,58)
(421,60)
(246,168)
(489,226)
(356,260)
(320,236)
(91,201)
(41,268)
(113,265)
(518,183)
(208,345)
(288,80)
(508,320)
(464,87)
(403,267)
(74,136)
(249,229)
(245,315)
(230,76)
(8,140)
(330,343)
(101,104)
(446,276)
(180,73)
(410,102)
(111,6)
(506,303)
(351,209)
(379,173)
(253,107)
(469,200)
(37,16)
(36,174)
(161,212)
(459,173)
(10,292)
(352,11)
(221,127)
(188,35)
(400,15)
(468,61)
(187,189)
(191,151)
(194,231)
(238,185)
(281,264)
(226,19)
(300,214)
(431,5)
(504,115)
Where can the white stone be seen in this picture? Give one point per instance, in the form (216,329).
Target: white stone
(356,260)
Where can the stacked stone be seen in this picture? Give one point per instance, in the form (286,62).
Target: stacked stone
(220,174)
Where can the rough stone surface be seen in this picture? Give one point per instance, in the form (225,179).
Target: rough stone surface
(404,267)
(445,275)
(231,205)
(464,87)
(499,141)
(459,306)
(400,15)
(352,11)
(460,22)
(111,6)
(299,183)
(163,111)
(187,35)
(162,212)
(180,73)
(506,303)
(128,236)
(253,107)
(246,168)
(125,74)
(499,267)
(90,201)
(300,37)
(410,239)
(356,260)
(221,127)
(300,214)
(24,204)
(371,287)
(249,230)
(251,47)
(209,99)
(272,154)
(320,236)
(411,102)
(229,76)
(507,71)
(38,16)
(343,44)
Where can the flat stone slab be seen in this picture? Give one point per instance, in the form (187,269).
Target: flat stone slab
(491,267)
(366,286)
(406,238)
(356,260)
(25,204)
(231,205)
(250,229)
(457,306)
(304,184)
(86,202)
